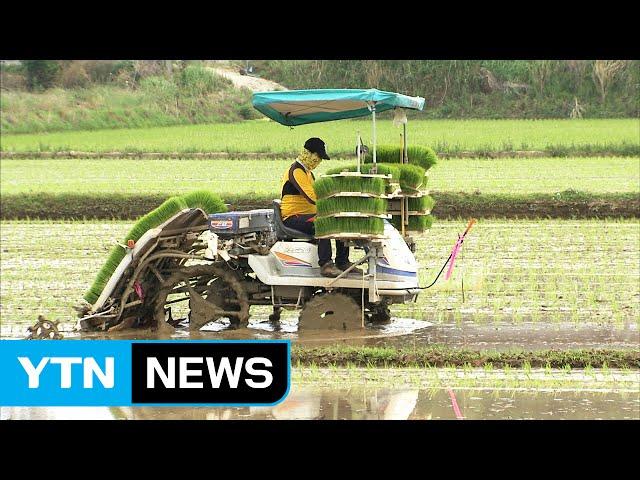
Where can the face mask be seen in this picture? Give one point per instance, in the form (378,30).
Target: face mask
(309,160)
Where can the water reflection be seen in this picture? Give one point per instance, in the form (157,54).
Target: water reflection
(312,403)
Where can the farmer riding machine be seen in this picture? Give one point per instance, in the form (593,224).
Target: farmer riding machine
(217,264)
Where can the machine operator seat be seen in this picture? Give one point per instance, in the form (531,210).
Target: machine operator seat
(282,231)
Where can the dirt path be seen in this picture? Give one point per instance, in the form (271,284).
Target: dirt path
(255,84)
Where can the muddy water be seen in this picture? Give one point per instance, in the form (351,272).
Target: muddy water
(381,404)
(402,332)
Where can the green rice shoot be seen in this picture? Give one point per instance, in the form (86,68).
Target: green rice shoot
(333,225)
(206,200)
(209,202)
(410,177)
(383,169)
(328,186)
(333,205)
(420,156)
(421,204)
(417,223)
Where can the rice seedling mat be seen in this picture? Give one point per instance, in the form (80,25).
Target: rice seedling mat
(356,174)
(410,213)
(355,215)
(357,194)
(352,236)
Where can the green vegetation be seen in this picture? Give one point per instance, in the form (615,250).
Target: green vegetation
(438,356)
(328,186)
(424,157)
(417,223)
(195,95)
(582,272)
(481,88)
(556,137)
(421,204)
(411,177)
(209,202)
(128,206)
(382,169)
(206,200)
(254,178)
(329,206)
(333,225)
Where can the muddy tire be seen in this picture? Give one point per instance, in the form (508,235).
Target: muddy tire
(380,314)
(213,292)
(330,311)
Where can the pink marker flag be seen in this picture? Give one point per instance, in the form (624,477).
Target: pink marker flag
(457,247)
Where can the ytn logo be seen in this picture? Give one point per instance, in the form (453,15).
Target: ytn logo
(90,369)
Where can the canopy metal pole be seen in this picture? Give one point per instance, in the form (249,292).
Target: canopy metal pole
(405,144)
(373,111)
(358,143)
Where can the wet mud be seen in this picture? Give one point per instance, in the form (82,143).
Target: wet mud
(400,333)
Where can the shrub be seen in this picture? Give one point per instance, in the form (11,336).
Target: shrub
(196,81)
(160,90)
(103,71)
(41,73)
(75,76)
(12,81)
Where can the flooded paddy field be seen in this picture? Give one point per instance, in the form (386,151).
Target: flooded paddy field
(548,285)
(414,394)
(527,274)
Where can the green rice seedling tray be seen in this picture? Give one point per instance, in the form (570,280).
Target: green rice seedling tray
(410,213)
(208,201)
(355,215)
(356,174)
(416,223)
(329,186)
(357,194)
(422,156)
(328,206)
(353,225)
(351,236)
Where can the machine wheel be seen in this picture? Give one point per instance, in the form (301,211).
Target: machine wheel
(213,292)
(331,311)
(380,314)
(44,329)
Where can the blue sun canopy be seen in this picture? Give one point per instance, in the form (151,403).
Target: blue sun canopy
(299,107)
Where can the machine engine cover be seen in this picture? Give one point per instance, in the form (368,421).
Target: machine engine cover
(231,224)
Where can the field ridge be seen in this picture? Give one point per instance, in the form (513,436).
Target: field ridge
(582,151)
(118,206)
